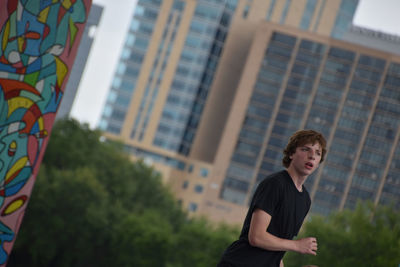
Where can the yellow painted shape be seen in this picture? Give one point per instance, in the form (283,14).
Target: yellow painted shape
(6,35)
(41,123)
(13,145)
(13,206)
(61,70)
(18,102)
(16,167)
(21,41)
(43,15)
(67,4)
(73,30)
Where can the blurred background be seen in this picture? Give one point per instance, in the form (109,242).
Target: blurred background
(202,96)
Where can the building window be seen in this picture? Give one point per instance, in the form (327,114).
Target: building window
(113,129)
(198,189)
(127,86)
(308,14)
(103,124)
(139,11)
(192,207)
(271,10)
(233,196)
(134,25)
(190,169)
(246,11)
(285,11)
(130,40)
(203,172)
(185,184)
(344,17)
(107,111)
(121,68)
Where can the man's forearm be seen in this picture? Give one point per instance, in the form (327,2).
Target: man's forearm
(259,237)
(268,241)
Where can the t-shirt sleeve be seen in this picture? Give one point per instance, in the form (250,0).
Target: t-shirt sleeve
(267,196)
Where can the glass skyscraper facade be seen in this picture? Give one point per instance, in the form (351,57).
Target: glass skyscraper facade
(351,97)
(127,73)
(193,75)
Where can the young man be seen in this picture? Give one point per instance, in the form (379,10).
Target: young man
(278,208)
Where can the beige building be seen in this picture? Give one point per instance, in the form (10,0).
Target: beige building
(209,91)
(337,111)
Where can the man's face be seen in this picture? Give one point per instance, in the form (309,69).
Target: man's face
(306,158)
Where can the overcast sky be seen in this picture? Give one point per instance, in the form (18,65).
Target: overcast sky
(381,15)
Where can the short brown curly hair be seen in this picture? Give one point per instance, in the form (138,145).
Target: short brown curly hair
(301,138)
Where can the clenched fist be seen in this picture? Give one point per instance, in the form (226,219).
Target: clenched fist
(307,245)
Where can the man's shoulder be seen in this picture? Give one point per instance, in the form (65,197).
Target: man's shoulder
(275,178)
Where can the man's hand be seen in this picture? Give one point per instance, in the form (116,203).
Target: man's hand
(307,245)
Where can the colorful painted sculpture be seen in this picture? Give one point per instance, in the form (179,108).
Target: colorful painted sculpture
(38,44)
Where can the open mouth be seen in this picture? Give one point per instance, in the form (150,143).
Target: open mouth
(309,165)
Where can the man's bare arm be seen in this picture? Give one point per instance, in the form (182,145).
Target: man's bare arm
(259,237)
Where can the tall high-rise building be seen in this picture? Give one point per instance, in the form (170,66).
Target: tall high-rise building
(80,61)
(294,80)
(209,91)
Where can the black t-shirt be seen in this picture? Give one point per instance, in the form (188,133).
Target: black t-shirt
(278,196)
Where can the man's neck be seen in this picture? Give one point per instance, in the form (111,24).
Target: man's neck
(298,180)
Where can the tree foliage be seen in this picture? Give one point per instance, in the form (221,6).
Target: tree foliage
(92,206)
(367,236)
(200,244)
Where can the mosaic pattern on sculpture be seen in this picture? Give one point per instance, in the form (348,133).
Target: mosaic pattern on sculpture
(38,43)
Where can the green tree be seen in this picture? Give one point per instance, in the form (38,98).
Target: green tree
(65,215)
(365,237)
(92,206)
(73,145)
(200,243)
(147,238)
(86,189)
